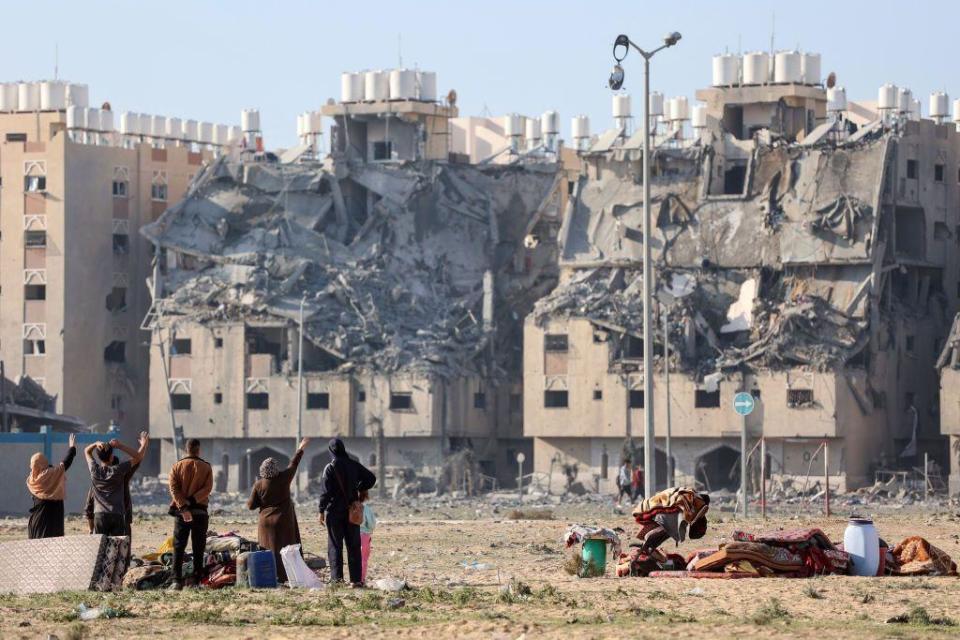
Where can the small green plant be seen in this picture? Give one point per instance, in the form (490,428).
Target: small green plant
(464,595)
(770,612)
(811,592)
(370,600)
(918,616)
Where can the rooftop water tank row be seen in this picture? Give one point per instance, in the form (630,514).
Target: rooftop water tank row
(939,105)
(309,123)
(756,67)
(162,127)
(250,120)
(550,123)
(394,84)
(513,125)
(49,95)
(678,109)
(580,127)
(621,105)
(698,116)
(89,119)
(836,100)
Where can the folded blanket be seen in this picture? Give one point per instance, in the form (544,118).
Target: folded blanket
(819,555)
(756,553)
(917,557)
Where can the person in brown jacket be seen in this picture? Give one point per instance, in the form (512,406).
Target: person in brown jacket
(191,481)
(277,526)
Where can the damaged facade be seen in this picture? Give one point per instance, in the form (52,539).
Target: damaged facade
(814,267)
(949,366)
(414,274)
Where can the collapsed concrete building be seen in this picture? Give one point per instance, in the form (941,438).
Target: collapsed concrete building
(414,275)
(810,264)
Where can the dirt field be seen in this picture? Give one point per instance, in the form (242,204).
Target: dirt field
(448,600)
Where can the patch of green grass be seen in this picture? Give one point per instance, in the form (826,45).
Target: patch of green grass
(770,612)
(652,613)
(657,594)
(370,600)
(76,631)
(811,592)
(465,595)
(919,617)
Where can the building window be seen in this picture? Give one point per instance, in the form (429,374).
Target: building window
(480,400)
(16,137)
(116,402)
(913,169)
(35,238)
(799,398)
(158,192)
(119,188)
(556,342)
(35,292)
(180,401)
(217,397)
(910,343)
(516,402)
(117,300)
(318,401)
(258,401)
(218,343)
(382,150)
(755,393)
(938,172)
(361,396)
(115,352)
(401,402)
(555,399)
(636,399)
(34,183)
(34,347)
(598,394)
(121,244)
(706,399)
(632,347)
(181,347)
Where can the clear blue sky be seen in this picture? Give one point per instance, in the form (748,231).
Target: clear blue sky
(207,60)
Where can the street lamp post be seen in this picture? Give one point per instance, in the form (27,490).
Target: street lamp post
(621,47)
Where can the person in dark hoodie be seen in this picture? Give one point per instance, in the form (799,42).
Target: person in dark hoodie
(341,483)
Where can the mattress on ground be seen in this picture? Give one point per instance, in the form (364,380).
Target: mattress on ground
(774,558)
(710,575)
(68,563)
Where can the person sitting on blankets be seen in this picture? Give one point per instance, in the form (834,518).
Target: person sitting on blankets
(673,513)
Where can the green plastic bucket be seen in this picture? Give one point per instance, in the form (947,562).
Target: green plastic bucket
(594,555)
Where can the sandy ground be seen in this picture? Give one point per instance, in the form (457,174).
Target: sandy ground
(449,600)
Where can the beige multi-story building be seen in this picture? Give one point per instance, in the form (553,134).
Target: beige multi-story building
(72,264)
(949,366)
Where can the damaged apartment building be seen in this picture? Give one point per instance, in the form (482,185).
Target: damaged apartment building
(412,275)
(949,368)
(801,254)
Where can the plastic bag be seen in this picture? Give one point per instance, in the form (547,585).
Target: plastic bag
(298,573)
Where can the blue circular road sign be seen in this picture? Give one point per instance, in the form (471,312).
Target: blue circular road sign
(743,403)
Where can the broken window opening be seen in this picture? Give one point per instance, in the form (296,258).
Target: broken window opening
(35,238)
(158,192)
(797,398)
(735,178)
(35,292)
(555,342)
(361,396)
(34,347)
(119,188)
(910,235)
(218,342)
(598,394)
(317,359)
(382,150)
(116,352)
(16,137)
(704,399)
(34,183)
(258,401)
(718,469)
(121,244)
(318,400)
(631,348)
(117,300)
(938,172)
(480,400)
(555,399)
(181,347)
(913,170)
(217,397)
(180,401)
(401,401)
(636,399)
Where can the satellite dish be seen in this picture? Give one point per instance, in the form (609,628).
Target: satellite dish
(831,80)
(452,98)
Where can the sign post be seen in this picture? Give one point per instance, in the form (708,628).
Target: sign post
(520,459)
(743,404)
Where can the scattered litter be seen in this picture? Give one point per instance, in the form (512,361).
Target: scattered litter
(95,613)
(391,585)
(476,565)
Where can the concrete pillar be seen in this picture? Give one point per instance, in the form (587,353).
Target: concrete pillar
(954,480)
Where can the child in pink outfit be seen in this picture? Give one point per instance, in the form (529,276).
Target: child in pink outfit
(366,533)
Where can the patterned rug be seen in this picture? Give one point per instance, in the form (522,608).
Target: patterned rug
(69,563)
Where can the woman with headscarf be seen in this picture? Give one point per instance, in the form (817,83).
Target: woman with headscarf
(48,486)
(277,526)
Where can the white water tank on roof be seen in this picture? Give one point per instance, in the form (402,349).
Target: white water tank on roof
(316,122)
(939,105)
(904,100)
(130,123)
(916,111)
(512,125)
(756,67)
(301,125)
(698,116)
(158,126)
(403,84)
(351,87)
(836,99)
(427,85)
(78,94)
(205,132)
(234,133)
(221,134)
(28,96)
(191,131)
(887,97)
(621,105)
(726,70)
(787,67)
(956,110)
(810,68)
(580,127)
(250,120)
(93,119)
(656,104)
(550,123)
(106,121)
(53,95)
(679,108)
(144,124)
(9,97)
(532,129)
(174,128)
(76,117)
(376,86)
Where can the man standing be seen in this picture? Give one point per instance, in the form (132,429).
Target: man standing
(341,483)
(127,500)
(107,480)
(191,481)
(637,483)
(623,481)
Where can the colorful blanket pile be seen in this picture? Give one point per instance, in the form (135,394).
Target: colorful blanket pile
(673,513)
(914,556)
(819,556)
